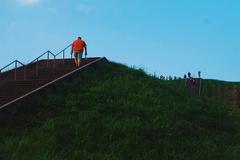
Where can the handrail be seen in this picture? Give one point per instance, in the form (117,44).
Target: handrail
(16,61)
(51,53)
(20,63)
(63,50)
(36,59)
(15,68)
(7,66)
(63,53)
(47,52)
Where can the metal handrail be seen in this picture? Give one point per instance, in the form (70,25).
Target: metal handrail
(16,62)
(47,52)
(7,66)
(63,50)
(20,63)
(38,58)
(63,53)
(35,60)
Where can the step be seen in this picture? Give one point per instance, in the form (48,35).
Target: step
(68,63)
(18,88)
(11,89)
(6,99)
(43,72)
(28,82)
(25,81)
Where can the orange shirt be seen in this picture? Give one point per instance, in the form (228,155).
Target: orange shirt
(78,45)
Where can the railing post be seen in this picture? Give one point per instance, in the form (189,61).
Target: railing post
(63,56)
(36,69)
(24,72)
(47,57)
(15,72)
(54,61)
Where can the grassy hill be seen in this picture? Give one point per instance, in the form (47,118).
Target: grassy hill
(113,112)
(227,93)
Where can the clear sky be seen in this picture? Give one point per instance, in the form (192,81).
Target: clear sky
(169,37)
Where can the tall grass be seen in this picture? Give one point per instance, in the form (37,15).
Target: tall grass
(113,112)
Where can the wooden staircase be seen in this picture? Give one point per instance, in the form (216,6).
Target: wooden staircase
(19,83)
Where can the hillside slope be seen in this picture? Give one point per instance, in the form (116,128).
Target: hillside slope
(113,112)
(227,93)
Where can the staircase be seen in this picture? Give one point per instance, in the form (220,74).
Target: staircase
(22,81)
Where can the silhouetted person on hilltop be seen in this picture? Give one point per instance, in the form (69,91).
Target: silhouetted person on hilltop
(162,77)
(185,76)
(199,74)
(78,46)
(189,81)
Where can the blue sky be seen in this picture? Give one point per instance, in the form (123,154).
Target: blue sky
(169,37)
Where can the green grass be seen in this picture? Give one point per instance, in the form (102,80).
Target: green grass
(113,112)
(224,92)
